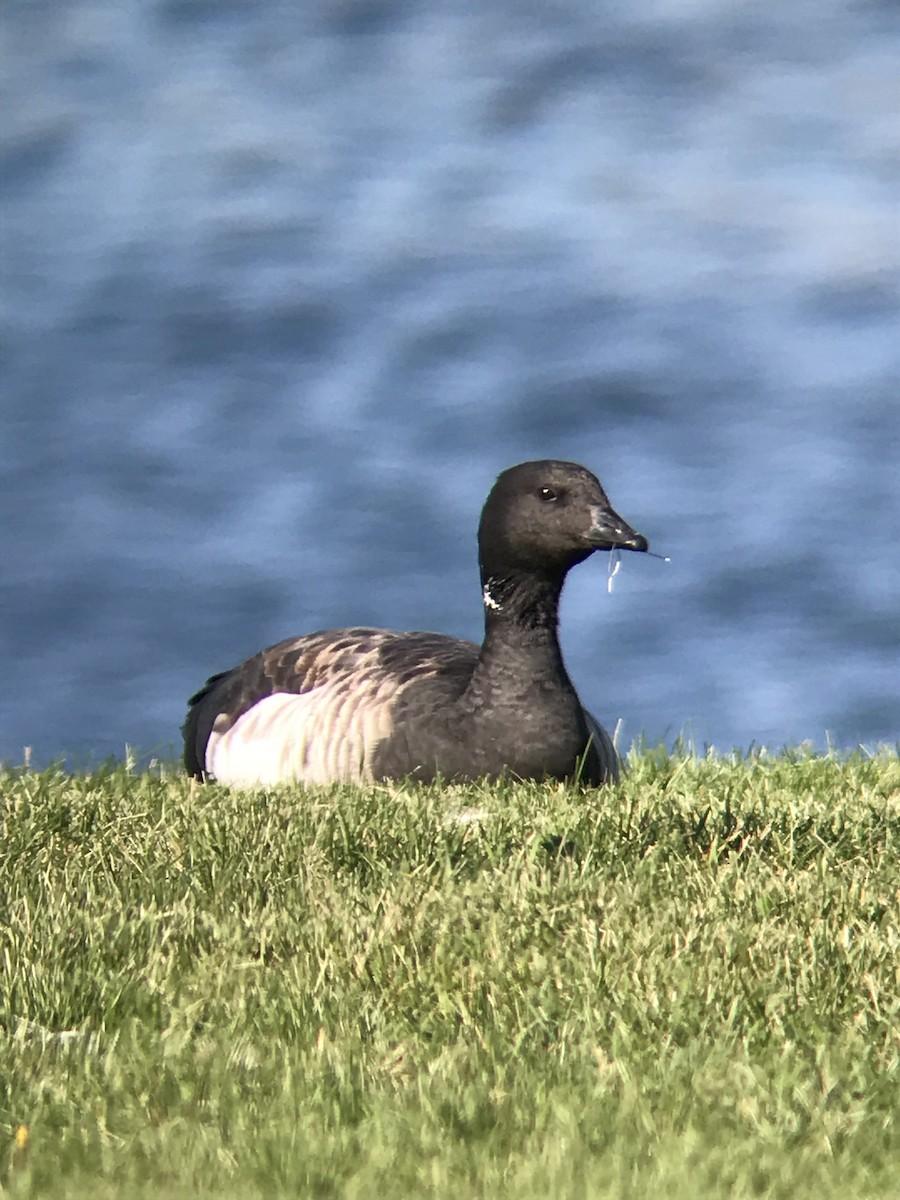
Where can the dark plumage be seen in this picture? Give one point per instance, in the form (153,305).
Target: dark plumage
(363,704)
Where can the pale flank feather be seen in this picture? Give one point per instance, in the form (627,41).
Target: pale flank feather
(322,735)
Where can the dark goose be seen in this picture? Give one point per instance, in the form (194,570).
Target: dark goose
(366,704)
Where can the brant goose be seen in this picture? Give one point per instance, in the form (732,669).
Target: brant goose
(365,704)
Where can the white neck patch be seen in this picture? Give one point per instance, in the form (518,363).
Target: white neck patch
(489,601)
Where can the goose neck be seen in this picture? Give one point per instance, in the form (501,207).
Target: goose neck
(518,605)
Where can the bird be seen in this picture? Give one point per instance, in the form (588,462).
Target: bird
(361,705)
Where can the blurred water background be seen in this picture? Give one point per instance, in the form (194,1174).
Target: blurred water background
(285,285)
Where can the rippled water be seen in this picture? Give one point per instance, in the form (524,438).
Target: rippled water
(284,287)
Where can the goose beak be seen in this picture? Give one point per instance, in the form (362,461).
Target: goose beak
(609,532)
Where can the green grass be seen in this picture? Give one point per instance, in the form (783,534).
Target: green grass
(685,987)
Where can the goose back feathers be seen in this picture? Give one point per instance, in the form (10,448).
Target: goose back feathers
(362,704)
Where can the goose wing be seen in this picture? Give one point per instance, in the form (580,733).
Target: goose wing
(315,708)
(602,754)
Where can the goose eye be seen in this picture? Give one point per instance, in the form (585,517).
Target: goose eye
(547,495)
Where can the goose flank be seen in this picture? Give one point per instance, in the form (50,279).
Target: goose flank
(364,704)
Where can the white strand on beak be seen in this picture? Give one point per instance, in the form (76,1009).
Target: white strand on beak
(615,565)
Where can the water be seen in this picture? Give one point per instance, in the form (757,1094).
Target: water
(284,287)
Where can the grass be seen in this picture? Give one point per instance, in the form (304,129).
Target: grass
(688,986)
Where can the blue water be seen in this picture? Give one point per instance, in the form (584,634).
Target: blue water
(285,286)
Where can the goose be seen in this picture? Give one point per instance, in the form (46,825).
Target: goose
(361,704)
